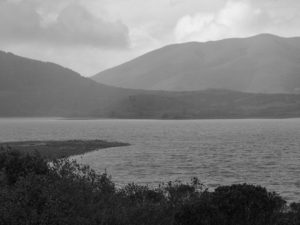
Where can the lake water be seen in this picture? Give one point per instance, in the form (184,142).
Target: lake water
(264,152)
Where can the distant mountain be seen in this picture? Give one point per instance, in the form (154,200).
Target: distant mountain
(30,88)
(259,64)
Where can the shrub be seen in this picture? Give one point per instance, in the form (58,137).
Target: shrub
(236,204)
(14,165)
(34,191)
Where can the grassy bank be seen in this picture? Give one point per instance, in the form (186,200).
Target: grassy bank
(60,149)
(66,193)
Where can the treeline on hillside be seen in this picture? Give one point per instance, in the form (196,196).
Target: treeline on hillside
(34,191)
(209,104)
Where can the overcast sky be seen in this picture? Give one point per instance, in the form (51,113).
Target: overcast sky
(89,36)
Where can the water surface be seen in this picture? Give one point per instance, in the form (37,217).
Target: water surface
(264,152)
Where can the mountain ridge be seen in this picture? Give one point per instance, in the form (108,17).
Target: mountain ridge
(260,64)
(31,88)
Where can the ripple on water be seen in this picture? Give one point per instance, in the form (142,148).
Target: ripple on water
(264,152)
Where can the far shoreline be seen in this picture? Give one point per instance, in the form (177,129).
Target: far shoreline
(149,118)
(54,149)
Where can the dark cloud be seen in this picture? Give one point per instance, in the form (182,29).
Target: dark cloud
(74,25)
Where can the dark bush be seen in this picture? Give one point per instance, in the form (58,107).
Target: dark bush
(236,204)
(291,216)
(248,204)
(36,192)
(200,211)
(14,165)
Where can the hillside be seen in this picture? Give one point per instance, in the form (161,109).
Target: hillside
(33,88)
(210,104)
(259,64)
(30,88)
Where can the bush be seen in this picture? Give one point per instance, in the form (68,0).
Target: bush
(14,165)
(291,216)
(34,191)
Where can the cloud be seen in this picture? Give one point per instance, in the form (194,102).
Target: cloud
(91,35)
(24,21)
(235,19)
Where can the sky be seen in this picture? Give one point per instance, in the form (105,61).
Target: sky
(89,36)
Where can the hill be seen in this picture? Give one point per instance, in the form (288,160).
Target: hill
(31,88)
(259,64)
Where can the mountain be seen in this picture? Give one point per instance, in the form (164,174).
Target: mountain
(31,88)
(259,64)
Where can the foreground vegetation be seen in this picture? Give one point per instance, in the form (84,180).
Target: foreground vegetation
(34,191)
(60,149)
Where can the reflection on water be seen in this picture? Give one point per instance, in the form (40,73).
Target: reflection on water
(265,152)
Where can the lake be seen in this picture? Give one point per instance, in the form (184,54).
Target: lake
(218,152)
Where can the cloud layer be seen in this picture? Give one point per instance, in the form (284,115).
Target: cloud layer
(92,35)
(71,26)
(235,19)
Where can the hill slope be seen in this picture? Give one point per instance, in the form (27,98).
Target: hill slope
(259,64)
(33,88)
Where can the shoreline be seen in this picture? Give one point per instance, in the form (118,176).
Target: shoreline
(154,118)
(54,149)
